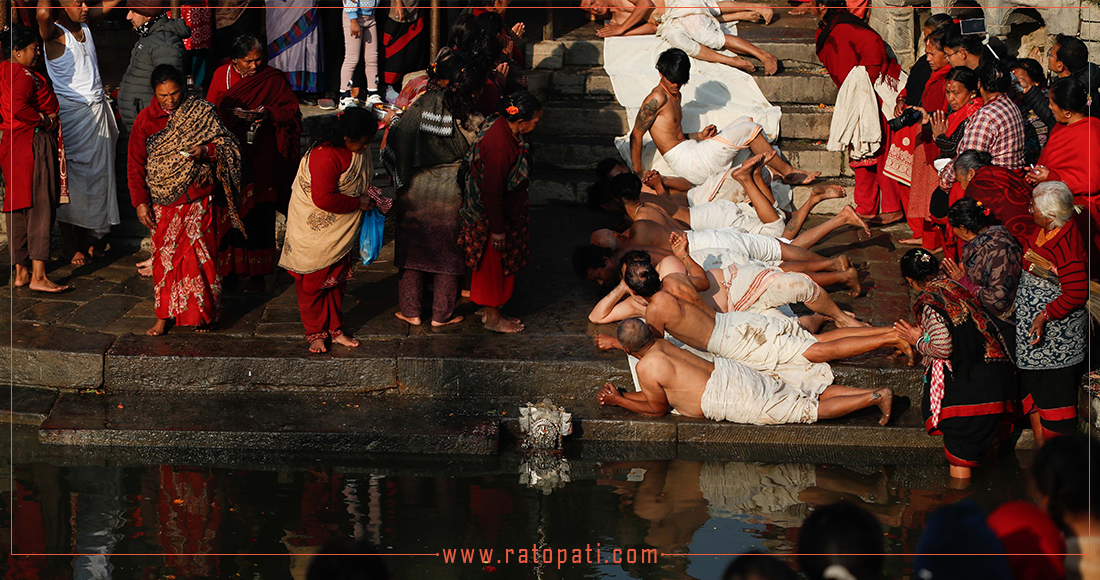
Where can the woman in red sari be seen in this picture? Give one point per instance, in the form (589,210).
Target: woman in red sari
(29,159)
(495,206)
(1072,152)
(256,103)
(1003,191)
(179,153)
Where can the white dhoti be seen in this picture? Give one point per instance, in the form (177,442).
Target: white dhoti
(739,394)
(756,288)
(90,133)
(727,214)
(687,24)
(753,246)
(696,161)
(735,489)
(770,345)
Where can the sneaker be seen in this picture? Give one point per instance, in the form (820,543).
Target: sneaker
(374,99)
(348,102)
(326,104)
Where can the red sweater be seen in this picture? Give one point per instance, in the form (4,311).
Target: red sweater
(150,120)
(23,95)
(849,46)
(326,165)
(1066,250)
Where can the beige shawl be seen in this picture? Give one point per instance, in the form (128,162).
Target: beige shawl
(315,238)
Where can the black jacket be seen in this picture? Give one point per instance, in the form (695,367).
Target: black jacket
(162,45)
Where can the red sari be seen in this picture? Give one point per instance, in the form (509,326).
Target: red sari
(23,95)
(187,286)
(268,165)
(1072,154)
(916,144)
(1007,195)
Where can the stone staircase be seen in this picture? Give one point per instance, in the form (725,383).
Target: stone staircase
(581,117)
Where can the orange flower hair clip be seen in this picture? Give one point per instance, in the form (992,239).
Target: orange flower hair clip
(512,110)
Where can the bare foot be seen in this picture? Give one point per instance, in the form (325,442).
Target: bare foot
(852,218)
(841,263)
(79,259)
(46,285)
(799,11)
(317,346)
(738,62)
(832,191)
(145,268)
(413,320)
(158,329)
(851,280)
(886,219)
(799,177)
(768,156)
(20,277)
(885,398)
(505,325)
(771,64)
(744,172)
(204,328)
(345,340)
(849,321)
(765,12)
(454,320)
(911,241)
(465,293)
(255,285)
(813,322)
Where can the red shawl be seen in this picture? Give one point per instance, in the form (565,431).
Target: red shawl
(845,42)
(276,151)
(23,95)
(957,117)
(1007,195)
(1072,154)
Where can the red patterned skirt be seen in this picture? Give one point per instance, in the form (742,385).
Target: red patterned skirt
(185,271)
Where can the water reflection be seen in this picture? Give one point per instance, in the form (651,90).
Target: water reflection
(186,517)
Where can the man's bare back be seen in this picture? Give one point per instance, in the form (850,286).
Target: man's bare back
(681,375)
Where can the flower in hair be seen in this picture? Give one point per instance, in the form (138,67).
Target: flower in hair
(925,257)
(979,204)
(512,110)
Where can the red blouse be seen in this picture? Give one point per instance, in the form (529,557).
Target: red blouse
(849,46)
(326,165)
(23,95)
(1066,251)
(149,121)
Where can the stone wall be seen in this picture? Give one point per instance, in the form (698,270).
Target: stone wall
(1025,25)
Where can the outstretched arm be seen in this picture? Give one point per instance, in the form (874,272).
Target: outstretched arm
(45,18)
(96,14)
(616,306)
(642,124)
(650,402)
(695,273)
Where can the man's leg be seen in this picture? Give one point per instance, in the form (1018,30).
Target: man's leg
(856,345)
(848,277)
(823,304)
(847,216)
(734,61)
(838,400)
(798,254)
(791,176)
(732,11)
(739,45)
(17,246)
(765,211)
(818,195)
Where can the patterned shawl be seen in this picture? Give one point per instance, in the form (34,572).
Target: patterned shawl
(475,230)
(426,135)
(959,306)
(170,174)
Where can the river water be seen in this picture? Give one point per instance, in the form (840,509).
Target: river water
(260,517)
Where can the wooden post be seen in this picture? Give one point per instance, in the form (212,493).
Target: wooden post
(548,28)
(433,45)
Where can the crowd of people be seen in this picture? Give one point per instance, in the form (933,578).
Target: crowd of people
(982,168)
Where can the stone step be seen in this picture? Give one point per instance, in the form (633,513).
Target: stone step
(269,420)
(588,51)
(801,193)
(804,121)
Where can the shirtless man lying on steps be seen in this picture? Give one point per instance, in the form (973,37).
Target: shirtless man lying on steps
(725,390)
(696,156)
(690,25)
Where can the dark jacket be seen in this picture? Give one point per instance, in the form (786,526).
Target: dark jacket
(1083,76)
(162,45)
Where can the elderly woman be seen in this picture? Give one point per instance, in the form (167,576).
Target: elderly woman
(1004,192)
(29,160)
(495,206)
(257,104)
(179,153)
(331,192)
(1051,327)
(423,153)
(969,369)
(990,261)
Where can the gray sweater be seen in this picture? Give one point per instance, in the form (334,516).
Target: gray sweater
(162,45)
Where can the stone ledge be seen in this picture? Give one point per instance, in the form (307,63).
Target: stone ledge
(58,357)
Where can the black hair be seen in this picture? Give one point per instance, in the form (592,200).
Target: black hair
(642,277)
(526,105)
(833,6)
(964,77)
(634,334)
(590,257)
(1033,69)
(675,65)
(627,186)
(841,534)
(758,566)
(605,166)
(955,40)
(971,214)
(972,159)
(939,21)
(18,37)
(920,265)
(1069,94)
(243,45)
(491,23)
(342,560)
(632,256)
(468,37)
(166,73)
(1061,473)
(1071,52)
(994,77)
(936,39)
(599,193)
(464,78)
(354,123)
